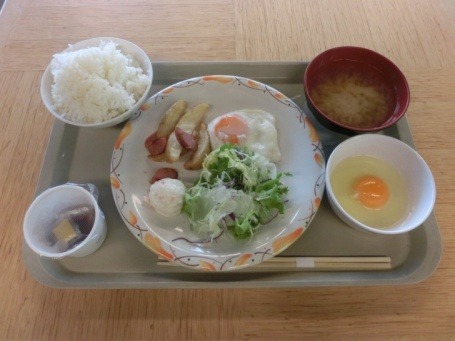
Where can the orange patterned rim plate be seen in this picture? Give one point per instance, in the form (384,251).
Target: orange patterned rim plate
(172,238)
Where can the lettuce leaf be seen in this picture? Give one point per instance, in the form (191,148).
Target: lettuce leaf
(237,190)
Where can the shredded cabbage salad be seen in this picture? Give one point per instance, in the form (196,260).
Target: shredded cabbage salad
(237,191)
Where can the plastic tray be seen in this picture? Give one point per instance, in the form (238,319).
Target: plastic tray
(84,155)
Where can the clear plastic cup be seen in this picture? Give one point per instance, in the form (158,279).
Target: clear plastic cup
(52,207)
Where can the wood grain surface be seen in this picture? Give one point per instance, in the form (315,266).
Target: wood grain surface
(419,36)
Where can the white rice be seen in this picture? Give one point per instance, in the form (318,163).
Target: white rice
(96,84)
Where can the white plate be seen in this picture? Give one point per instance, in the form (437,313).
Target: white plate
(172,238)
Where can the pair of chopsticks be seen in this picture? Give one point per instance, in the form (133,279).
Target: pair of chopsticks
(342,263)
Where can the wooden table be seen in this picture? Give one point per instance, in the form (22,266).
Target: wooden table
(419,36)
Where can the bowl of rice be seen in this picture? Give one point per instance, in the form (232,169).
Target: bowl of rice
(99,82)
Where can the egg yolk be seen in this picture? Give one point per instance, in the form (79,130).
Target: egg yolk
(371,191)
(230,128)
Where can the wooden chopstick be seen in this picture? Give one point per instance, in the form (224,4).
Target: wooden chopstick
(351,263)
(329,259)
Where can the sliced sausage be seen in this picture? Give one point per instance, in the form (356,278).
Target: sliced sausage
(186,140)
(164,173)
(149,140)
(157,146)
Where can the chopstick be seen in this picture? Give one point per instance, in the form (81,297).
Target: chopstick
(350,263)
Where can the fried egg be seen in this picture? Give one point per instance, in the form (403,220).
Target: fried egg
(253,129)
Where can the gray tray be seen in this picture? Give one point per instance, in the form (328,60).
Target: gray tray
(83,155)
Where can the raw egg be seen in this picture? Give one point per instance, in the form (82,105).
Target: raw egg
(370,190)
(254,129)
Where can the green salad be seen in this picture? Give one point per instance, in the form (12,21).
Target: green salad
(237,191)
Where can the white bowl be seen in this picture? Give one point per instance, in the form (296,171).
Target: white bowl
(126,47)
(44,211)
(415,172)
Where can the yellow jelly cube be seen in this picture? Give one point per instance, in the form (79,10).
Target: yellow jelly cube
(66,232)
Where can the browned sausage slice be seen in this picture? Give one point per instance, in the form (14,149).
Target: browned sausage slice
(186,140)
(157,147)
(164,173)
(149,140)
